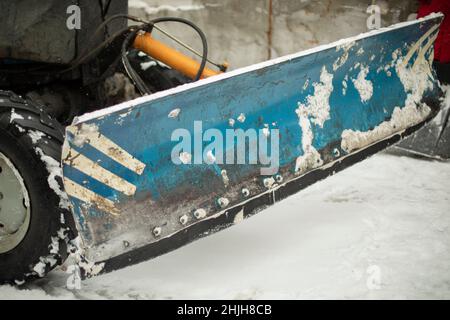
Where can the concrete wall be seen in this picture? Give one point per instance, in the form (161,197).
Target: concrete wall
(237,30)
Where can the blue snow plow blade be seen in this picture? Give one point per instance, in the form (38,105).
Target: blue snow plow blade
(152,174)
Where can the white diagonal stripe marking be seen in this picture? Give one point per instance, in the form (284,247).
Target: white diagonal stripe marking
(75,190)
(109,148)
(94,170)
(424,50)
(419,42)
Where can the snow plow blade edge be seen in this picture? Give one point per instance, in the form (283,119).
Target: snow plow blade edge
(137,194)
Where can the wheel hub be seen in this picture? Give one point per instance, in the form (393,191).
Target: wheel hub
(14,206)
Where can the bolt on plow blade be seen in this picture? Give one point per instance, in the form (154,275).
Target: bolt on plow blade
(152,174)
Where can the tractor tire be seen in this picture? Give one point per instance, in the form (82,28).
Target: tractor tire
(35,220)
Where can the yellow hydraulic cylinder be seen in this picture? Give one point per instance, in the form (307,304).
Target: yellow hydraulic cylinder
(171,57)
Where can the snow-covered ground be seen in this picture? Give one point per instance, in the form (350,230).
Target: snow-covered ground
(380,229)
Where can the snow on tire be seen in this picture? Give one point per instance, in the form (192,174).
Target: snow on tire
(35,220)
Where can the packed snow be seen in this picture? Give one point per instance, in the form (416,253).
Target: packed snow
(315,110)
(380,229)
(416,82)
(364,86)
(14,116)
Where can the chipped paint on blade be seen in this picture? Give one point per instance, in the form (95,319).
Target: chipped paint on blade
(90,198)
(94,170)
(108,147)
(319,129)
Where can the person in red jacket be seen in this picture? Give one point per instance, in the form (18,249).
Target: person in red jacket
(442,44)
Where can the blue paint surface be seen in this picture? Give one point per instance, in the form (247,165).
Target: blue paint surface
(267,96)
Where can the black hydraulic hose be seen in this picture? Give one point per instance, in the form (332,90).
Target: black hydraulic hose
(134,76)
(87,54)
(147,27)
(200,33)
(132,32)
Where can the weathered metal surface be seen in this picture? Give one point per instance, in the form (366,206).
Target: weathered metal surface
(332,106)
